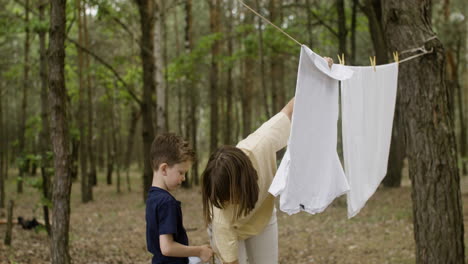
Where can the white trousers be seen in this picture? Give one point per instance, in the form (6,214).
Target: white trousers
(262,248)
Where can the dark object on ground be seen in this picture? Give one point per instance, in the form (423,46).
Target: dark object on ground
(28,224)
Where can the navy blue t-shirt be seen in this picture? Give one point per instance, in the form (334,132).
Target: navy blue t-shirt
(163,216)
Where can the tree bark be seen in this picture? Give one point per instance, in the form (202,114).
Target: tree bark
(248,85)
(2,154)
(81,114)
(191,96)
(146,10)
(59,134)
(342,32)
(262,62)
(428,122)
(353,31)
(229,82)
(92,176)
(24,103)
(373,11)
(7,240)
(215,23)
(135,116)
(44,140)
(160,29)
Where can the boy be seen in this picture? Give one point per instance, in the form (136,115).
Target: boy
(171,158)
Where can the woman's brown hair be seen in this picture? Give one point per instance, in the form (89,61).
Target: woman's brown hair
(229,178)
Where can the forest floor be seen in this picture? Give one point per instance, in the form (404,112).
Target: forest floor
(111,229)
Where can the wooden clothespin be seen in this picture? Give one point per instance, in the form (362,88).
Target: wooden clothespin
(395,56)
(341,59)
(373,62)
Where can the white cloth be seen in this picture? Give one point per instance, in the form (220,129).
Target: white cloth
(368,104)
(196,260)
(310,176)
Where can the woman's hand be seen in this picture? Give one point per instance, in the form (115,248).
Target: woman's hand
(329,60)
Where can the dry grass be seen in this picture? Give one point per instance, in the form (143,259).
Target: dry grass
(112,228)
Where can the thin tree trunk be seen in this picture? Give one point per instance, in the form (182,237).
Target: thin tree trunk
(353,31)
(215,50)
(229,84)
(135,116)
(428,121)
(454,82)
(81,114)
(372,10)
(44,140)
(75,150)
(342,32)
(248,86)
(262,63)
(179,85)
(146,10)
(191,96)
(309,22)
(59,135)
(161,122)
(92,176)
(110,154)
(2,153)
(9,227)
(24,103)
(114,132)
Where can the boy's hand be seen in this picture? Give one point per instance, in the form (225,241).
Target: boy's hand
(205,253)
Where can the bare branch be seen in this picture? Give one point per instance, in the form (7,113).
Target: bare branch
(108,66)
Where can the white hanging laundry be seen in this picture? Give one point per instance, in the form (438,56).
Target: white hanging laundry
(368,104)
(310,176)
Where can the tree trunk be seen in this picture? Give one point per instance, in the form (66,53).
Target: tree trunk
(114,134)
(146,10)
(342,32)
(309,22)
(81,114)
(215,23)
(262,62)
(248,85)
(135,116)
(353,31)
(229,84)
(75,150)
(160,28)
(7,240)
(24,103)
(428,122)
(2,153)
(92,176)
(59,135)
(110,155)
(373,10)
(44,140)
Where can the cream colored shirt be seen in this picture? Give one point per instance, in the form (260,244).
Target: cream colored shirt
(261,147)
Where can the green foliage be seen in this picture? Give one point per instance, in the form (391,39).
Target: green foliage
(187,66)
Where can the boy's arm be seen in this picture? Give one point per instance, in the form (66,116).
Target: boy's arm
(171,248)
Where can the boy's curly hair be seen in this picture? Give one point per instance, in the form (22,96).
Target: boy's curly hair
(171,149)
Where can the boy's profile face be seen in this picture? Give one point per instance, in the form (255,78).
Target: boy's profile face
(174,175)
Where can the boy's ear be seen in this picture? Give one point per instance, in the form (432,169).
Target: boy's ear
(163,168)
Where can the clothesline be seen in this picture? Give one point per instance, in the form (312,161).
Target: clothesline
(421,48)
